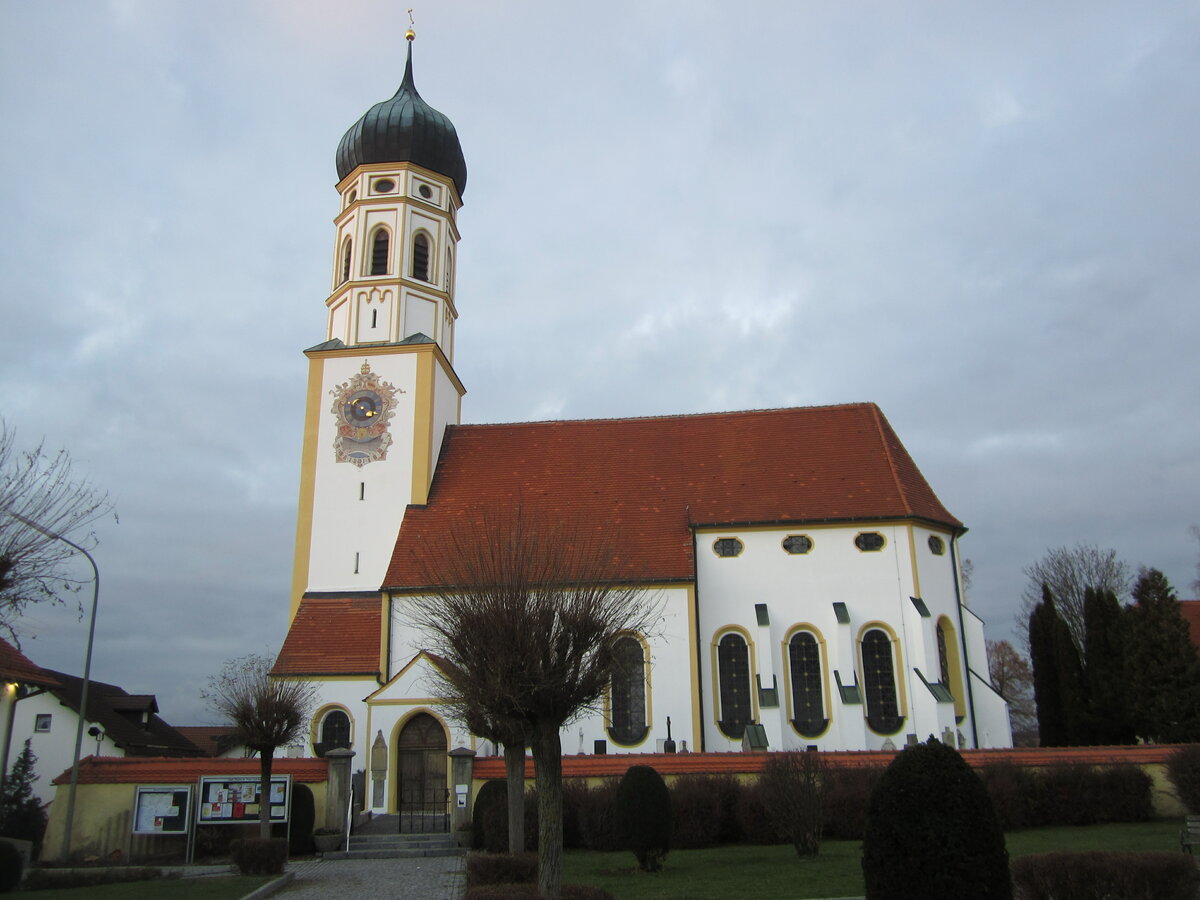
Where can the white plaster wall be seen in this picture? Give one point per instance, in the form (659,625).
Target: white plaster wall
(446,407)
(801,589)
(54,749)
(342,524)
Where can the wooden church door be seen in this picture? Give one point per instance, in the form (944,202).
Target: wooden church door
(422,795)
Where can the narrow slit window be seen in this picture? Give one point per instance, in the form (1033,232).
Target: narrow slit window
(379,252)
(356,562)
(420,257)
(345,261)
(362,490)
(374,318)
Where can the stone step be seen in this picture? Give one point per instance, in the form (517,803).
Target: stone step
(393,853)
(411,838)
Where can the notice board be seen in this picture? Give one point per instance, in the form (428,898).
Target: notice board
(228,800)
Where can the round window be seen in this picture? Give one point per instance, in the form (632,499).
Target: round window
(383,186)
(936,545)
(425,191)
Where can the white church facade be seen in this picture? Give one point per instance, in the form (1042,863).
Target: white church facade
(809,578)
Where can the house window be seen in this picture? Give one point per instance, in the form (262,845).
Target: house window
(804,660)
(728,547)
(797,543)
(420,256)
(733,676)
(868,541)
(41,722)
(879,682)
(345,261)
(379,252)
(628,692)
(335,730)
(936,545)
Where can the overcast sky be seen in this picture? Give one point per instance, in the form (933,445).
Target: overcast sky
(981,216)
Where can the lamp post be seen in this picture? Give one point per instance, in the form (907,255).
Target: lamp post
(87,673)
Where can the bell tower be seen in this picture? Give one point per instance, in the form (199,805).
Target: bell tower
(381,386)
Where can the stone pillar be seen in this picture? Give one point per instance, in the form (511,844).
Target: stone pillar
(461,765)
(337,787)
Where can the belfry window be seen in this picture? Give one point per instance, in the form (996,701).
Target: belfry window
(379,252)
(879,681)
(345,262)
(628,691)
(733,677)
(808,700)
(420,256)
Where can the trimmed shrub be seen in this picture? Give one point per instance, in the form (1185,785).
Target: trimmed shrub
(753,822)
(304,817)
(489,818)
(1111,875)
(255,856)
(792,788)
(1012,789)
(1183,768)
(530,892)
(932,832)
(11,866)
(501,868)
(847,801)
(598,817)
(695,812)
(644,816)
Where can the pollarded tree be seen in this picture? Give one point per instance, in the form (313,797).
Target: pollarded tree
(40,487)
(1163,664)
(525,610)
(267,712)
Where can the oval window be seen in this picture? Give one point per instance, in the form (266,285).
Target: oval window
(797,543)
(383,186)
(728,547)
(869,540)
(936,545)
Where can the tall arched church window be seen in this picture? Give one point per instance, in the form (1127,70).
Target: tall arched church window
(879,681)
(808,695)
(345,261)
(379,252)
(950,665)
(733,678)
(943,658)
(628,692)
(335,730)
(420,256)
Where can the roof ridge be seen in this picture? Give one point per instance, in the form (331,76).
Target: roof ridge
(881,423)
(666,416)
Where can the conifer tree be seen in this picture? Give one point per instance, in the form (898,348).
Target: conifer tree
(1105,642)
(1044,627)
(21,814)
(1163,664)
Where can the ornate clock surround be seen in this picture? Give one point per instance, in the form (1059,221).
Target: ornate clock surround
(363,408)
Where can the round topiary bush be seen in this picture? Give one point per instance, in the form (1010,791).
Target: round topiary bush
(644,816)
(489,817)
(11,866)
(932,832)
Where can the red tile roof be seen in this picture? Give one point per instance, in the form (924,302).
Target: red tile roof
(332,635)
(213,740)
(651,480)
(588,766)
(152,770)
(16,666)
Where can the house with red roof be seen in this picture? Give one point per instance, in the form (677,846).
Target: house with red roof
(807,574)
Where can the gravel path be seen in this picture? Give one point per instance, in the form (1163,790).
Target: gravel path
(426,878)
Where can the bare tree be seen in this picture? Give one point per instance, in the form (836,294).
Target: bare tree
(794,787)
(267,712)
(40,487)
(525,610)
(1012,677)
(1069,572)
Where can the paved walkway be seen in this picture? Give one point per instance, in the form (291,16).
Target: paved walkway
(425,878)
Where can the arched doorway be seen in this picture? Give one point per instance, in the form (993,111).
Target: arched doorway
(422,798)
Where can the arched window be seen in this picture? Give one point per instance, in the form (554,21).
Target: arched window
(943,659)
(950,666)
(379,252)
(628,692)
(808,695)
(879,681)
(345,261)
(420,256)
(733,677)
(335,730)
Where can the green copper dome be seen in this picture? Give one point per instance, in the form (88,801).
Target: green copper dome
(404,129)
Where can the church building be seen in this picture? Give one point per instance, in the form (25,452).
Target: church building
(809,578)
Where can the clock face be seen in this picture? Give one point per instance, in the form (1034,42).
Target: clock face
(363,407)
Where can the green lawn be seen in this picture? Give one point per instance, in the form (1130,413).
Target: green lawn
(209,887)
(774,873)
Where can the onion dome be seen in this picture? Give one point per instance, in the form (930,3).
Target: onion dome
(404,129)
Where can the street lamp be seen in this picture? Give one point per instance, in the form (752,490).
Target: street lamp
(87,673)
